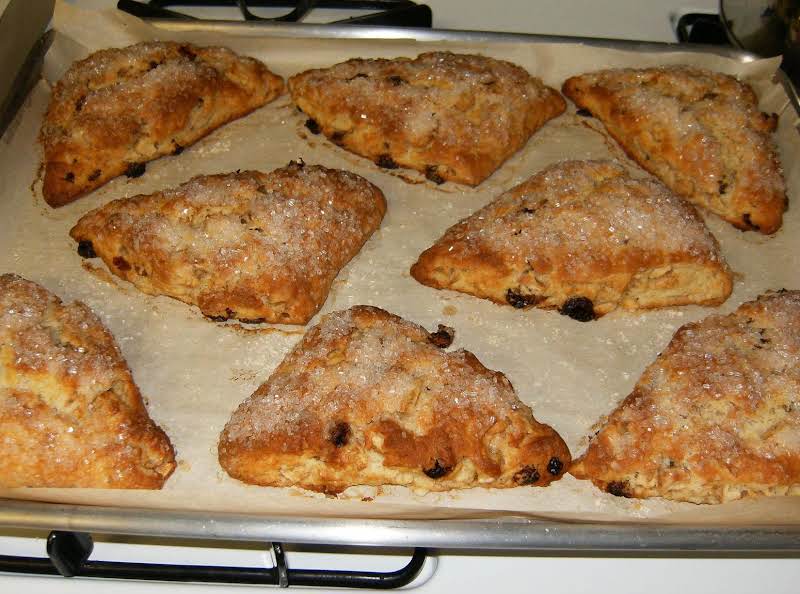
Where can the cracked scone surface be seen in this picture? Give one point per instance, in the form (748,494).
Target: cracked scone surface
(698,131)
(367,398)
(258,247)
(583,237)
(120,108)
(453,117)
(70,413)
(715,417)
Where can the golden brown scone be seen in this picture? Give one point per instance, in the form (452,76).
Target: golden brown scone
(583,237)
(367,398)
(715,417)
(698,131)
(120,108)
(70,414)
(453,117)
(259,247)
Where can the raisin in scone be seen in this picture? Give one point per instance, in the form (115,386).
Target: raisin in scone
(258,247)
(583,237)
(715,417)
(70,413)
(453,117)
(119,108)
(367,398)
(698,131)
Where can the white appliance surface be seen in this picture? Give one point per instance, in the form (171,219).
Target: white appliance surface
(450,570)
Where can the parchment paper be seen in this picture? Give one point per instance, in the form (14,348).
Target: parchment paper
(194,372)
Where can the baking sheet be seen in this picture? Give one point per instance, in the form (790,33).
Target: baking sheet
(195,373)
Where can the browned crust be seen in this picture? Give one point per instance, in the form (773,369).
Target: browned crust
(367,398)
(258,247)
(715,417)
(581,230)
(120,108)
(700,132)
(453,117)
(70,413)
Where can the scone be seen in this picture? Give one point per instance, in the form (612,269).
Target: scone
(583,237)
(120,108)
(367,398)
(259,247)
(453,117)
(698,131)
(70,414)
(715,417)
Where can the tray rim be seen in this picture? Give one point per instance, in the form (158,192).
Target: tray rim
(508,533)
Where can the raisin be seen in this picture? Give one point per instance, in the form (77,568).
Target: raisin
(584,112)
(397,80)
(178,149)
(217,318)
(153,64)
(554,466)
(386,162)
(313,126)
(135,169)
(438,470)
(121,263)
(79,103)
(723,187)
(443,337)
(578,308)
(187,53)
(521,301)
(527,475)
(618,488)
(337,137)
(70,177)
(527,210)
(94,175)
(749,222)
(86,249)
(340,434)
(432,173)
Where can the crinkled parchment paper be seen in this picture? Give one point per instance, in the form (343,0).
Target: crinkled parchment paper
(194,372)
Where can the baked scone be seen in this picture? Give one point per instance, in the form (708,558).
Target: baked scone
(715,417)
(453,117)
(583,237)
(698,131)
(259,247)
(120,108)
(70,414)
(367,398)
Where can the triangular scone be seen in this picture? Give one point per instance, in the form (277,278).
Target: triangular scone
(715,417)
(367,398)
(259,247)
(453,117)
(119,108)
(583,237)
(700,132)
(70,414)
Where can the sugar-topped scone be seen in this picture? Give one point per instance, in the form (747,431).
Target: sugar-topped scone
(367,398)
(698,131)
(453,117)
(583,237)
(259,247)
(119,108)
(715,417)
(70,414)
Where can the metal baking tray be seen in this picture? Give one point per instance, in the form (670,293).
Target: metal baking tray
(501,533)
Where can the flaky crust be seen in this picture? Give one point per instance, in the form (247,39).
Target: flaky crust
(367,398)
(453,117)
(583,237)
(70,414)
(259,247)
(716,417)
(699,131)
(119,108)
